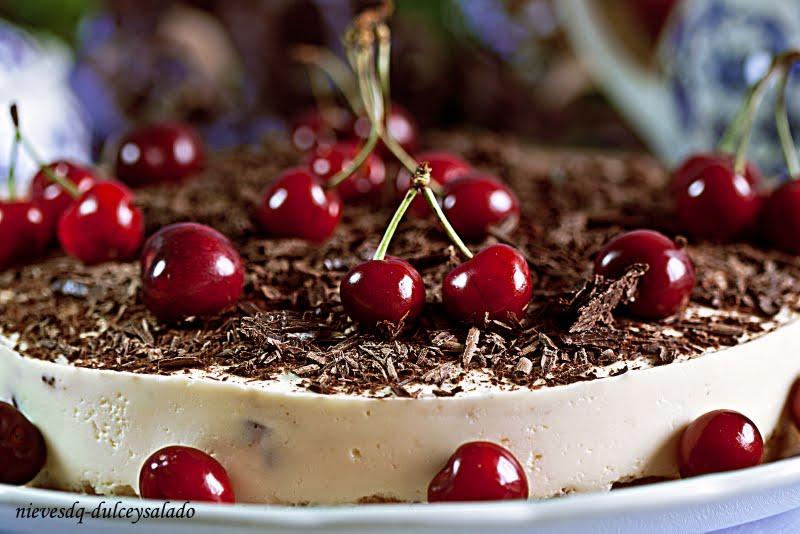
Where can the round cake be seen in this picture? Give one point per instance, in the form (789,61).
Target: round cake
(302,406)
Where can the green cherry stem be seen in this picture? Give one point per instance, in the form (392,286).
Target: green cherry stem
(788,145)
(422,181)
(383,246)
(334,68)
(375,109)
(384,57)
(751,106)
(12,162)
(67,185)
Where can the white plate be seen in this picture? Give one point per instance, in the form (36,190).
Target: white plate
(695,505)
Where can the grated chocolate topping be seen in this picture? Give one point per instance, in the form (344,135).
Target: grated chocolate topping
(291,318)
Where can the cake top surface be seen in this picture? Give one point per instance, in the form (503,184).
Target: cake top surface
(290,321)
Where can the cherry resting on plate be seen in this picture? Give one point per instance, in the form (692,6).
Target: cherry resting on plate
(25,232)
(51,197)
(666,286)
(296,205)
(475,202)
(496,283)
(157,153)
(388,290)
(479,471)
(190,269)
(102,225)
(722,440)
(366,182)
(22,448)
(780,218)
(717,203)
(182,473)
(445,168)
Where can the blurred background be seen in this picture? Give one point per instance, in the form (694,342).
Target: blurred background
(658,75)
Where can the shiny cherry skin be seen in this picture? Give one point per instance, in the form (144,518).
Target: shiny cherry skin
(366,183)
(479,471)
(718,204)
(383,291)
(780,218)
(692,166)
(102,225)
(158,153)
(399,124)
(296,205)
(473,203)
(315,128)
(22,448)
(180,473)
(190,269)
(666,286)
(51,197)
(445,167)
(722,440)
(25,232)
(495,283)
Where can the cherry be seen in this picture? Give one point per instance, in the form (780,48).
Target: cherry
(315,127)
(400,125)
(25,232)
(184,473)
(475,202)
(780,218)
(160,152)
(479,471)
(296,205)
(189,269)
(666,286)
(50,196)
(696,163)
(102,225)
(722,440)
(22,448)
(445,167)
(794,404)
(388,290)
(717,203)
(327,160)
(496,283)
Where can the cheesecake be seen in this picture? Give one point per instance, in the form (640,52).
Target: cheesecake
(301,406)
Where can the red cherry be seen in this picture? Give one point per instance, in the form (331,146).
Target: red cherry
(479,471)
(495,283)
(182,473)
(695,164)
(51,197)
(296,205)
(780,218)
(717,204)
(102,225)
(22,449)
(367,181)
(475,202)
(156,153)
(25,232)
(666,286)
(314,127)
(445,168)
(388,290)
(189,269)
(722,440)
(399,124)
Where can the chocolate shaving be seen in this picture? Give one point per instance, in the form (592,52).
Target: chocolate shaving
(595,303)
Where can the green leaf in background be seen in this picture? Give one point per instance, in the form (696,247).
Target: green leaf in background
(59,17)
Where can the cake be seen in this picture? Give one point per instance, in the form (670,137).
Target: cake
(301,406)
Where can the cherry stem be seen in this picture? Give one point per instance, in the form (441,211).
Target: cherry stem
(751,106)
(67,185)
(384,59)
(333,67)
(12,165)
(374,108)
(788,145)
(383,246)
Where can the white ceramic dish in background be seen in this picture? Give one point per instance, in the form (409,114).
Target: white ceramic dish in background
(696,505)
